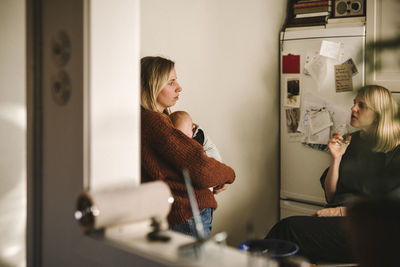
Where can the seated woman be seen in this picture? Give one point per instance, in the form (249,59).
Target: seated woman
(166,151)
(366,164)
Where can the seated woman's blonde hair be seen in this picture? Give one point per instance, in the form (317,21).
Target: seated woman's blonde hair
(385,130)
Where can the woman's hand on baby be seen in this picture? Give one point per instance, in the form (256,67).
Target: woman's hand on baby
(331,212)
(337,145)
(220,188)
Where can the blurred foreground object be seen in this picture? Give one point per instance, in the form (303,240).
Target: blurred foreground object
(123,205)
(373,226)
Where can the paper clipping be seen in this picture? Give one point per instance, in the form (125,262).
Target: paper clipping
(320,120)
(354,69)
(292,123)
(316,134)
(292,92)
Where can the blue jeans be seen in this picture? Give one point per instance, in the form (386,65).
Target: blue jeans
(189,228)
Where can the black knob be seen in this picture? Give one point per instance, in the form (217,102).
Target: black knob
(356,6)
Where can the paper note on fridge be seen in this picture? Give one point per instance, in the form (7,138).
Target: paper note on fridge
(316,67)
(354,69)
(343,78)
(320,120)
(320,138)
(332,50)
(310,57)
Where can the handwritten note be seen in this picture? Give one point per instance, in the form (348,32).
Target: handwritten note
(343,78)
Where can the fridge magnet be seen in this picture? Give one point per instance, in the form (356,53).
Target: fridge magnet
(291,63)
(354,69)
(292,92)
(343,78)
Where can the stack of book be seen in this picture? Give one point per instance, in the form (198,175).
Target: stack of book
(309,13)
(346,22)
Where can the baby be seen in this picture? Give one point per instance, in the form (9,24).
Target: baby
(183,122)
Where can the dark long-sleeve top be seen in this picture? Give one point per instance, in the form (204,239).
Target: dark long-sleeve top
(364,173)
(165,152)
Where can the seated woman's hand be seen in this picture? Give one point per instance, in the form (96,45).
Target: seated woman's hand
(331,212)
(337,146)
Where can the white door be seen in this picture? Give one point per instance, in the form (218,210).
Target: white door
(382,24)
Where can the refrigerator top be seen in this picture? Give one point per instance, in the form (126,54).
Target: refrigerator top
(323,33)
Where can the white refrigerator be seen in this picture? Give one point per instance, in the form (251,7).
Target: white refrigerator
(308,60)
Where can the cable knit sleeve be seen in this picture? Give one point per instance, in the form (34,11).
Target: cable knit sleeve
(181,152)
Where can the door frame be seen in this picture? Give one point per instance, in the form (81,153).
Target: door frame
(56,134)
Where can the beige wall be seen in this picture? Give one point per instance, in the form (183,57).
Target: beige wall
(226,55)
(12,133)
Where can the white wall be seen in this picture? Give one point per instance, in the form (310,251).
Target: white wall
(113,114)
(12,133)
(226,55)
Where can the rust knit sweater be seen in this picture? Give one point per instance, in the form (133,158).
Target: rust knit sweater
(166,151)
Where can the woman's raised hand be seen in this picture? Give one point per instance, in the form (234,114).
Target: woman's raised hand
(337,145)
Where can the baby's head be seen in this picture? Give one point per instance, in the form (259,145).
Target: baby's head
(183,122)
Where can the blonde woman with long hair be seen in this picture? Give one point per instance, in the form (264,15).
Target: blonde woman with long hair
(166,151)
(365,164)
